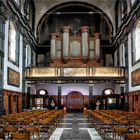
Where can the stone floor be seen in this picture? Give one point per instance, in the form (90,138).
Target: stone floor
(75,126)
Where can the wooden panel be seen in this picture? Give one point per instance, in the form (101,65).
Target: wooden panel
(75,49)
(13,77)
(134,101)
(135,76)
(75,100)
(15,98)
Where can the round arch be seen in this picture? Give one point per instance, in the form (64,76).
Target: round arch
(107,91)
(75,100)
(136,45)
(57,10)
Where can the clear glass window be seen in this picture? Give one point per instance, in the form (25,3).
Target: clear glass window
(13,44)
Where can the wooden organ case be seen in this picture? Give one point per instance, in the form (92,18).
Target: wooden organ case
(75,50)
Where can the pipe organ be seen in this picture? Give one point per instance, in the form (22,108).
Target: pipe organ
(71,50)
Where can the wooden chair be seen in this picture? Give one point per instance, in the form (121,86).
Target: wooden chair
(33,131)
(132,137)
(17,136)
(2,136)
(9,130)
(119,132)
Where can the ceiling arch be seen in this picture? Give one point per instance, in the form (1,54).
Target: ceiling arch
(106,6)
(73,12)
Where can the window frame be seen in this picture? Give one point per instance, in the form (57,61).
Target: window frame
(2,36)
(16,45)
(134,47)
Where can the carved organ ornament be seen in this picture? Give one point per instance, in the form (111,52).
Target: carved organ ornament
(82,46)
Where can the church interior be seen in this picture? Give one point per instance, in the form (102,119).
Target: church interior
(70,69)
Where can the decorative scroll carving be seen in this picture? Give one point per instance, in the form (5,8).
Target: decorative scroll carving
(81,72)
(107,72)
(75,71)
(38,72)
(82,47)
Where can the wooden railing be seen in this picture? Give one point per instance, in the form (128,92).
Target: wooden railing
(75,72)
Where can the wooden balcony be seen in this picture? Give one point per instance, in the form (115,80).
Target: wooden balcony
(83,74)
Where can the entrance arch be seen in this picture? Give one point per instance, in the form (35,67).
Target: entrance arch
(75,101)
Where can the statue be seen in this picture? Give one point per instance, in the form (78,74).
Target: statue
(97,105)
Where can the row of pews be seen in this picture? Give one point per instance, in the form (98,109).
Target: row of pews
(115,124)
(29,124)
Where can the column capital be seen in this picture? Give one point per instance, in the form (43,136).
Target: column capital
(85,29)
(54,35)
(59,83)
(90,83)
(97,35)
(66,29)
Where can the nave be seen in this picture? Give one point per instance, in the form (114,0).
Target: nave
(75,126)
(62,125)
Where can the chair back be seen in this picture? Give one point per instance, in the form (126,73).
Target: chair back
(2,136)
(23,136)
(132,137)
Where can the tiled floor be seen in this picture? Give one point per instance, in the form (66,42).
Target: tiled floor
(75,126)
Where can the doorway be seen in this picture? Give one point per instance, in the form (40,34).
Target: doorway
(75,101)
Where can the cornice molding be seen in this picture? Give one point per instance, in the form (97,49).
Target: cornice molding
(3,10)
(23,21)
(25,24)
(122,30)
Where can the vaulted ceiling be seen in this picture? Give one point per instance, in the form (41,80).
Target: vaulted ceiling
(105,6)
(47,9)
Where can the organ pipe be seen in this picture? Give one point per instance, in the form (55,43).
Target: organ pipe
(85,31)
(66,31)
(97,45)
(53,46)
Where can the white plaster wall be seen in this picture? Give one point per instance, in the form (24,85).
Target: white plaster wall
(51,88)
(10,65)
(131,67)
(99,88)
(117,89)
(67,88)
(83,88)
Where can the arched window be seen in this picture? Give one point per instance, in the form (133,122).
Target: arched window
(136,43)
(107,91)
(13,53)
(132,2)
(26,9)
(18,2)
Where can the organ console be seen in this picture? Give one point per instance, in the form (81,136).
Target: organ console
(70,50)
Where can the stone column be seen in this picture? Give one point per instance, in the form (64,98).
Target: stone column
(66,31)
(85,45)
(59,95)
(28,99)
(90,94)
(97,45)
(4,17)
